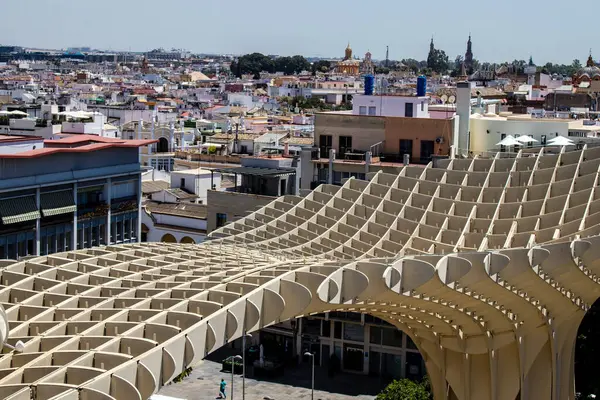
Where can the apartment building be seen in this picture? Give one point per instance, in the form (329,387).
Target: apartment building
(74,193)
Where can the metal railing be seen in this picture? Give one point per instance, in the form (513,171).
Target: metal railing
(377,149)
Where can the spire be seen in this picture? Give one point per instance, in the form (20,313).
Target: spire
(468,64)
(590,60)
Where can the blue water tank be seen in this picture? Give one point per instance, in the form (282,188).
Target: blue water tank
(369,84)
(421,86)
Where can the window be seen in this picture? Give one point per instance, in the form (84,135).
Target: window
(408,109)
(337,329)
(124,189)
(422,106)
(282,187)
(375,335)
(406,146)
(325,143)
(354,332)
(221,219)
(182,183)
(392,337)
(244,149)
(345,145)
(326,329)
(362,110)
(372,110)
(311,326)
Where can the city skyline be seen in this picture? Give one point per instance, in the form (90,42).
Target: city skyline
(248,29)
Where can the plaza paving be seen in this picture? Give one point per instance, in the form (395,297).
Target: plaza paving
(202,384)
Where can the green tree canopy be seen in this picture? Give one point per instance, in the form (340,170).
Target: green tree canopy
(405,389)
(291,65)
(321,66)
(457,65)
(438,61)
(253,64)
(256,63)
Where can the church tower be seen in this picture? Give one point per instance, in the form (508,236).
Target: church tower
(469,57)
(348,52)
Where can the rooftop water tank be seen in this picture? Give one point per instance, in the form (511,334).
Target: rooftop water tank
(421,86)
(369,85)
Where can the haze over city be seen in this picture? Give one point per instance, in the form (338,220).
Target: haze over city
(502,32)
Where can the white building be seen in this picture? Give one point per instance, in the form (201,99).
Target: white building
(173,222)
(489,129)
(391,106)
(197,181)
(78,122)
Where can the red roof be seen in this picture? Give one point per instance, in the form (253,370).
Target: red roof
(80,144)
(75,139)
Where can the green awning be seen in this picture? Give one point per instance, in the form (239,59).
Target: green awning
(19,209)
(56,203)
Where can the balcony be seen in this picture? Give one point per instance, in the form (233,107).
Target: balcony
(92,210)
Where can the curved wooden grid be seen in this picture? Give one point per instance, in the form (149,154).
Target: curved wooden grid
(492,322)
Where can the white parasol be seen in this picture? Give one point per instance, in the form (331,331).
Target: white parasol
(509,141)
(560,141)
(526,139)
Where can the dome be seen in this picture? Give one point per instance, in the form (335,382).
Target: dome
(591,71)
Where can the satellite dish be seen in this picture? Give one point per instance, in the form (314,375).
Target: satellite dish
(452,99)
(444,99)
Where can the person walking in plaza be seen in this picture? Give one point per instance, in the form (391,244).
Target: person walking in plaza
(222,386)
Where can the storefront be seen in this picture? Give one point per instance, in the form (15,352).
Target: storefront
(360,344)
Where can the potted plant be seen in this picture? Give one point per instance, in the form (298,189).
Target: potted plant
(228,364)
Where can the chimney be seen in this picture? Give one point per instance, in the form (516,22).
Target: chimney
(463,111)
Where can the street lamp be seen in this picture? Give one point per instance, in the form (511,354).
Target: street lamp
(312,393)
(233,359)
(244,364)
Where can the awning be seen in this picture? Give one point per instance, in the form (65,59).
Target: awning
(55,203)
(18,209)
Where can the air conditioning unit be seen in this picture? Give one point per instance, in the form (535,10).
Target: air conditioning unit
(439,140)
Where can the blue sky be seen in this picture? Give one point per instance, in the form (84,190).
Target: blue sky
(548,30)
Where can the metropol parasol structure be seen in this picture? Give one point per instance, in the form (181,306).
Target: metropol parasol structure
(488,264)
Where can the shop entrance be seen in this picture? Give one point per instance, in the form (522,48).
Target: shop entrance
(353,358)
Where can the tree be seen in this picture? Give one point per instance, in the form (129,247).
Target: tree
(291,65)
(458,63)
(321,66)
(253,64)
(587,352)
(382,70)
(437,61)
(405,389)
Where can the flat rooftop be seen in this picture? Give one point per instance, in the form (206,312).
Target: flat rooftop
(16,138)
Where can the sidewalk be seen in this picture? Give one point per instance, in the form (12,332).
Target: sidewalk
(202,384)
